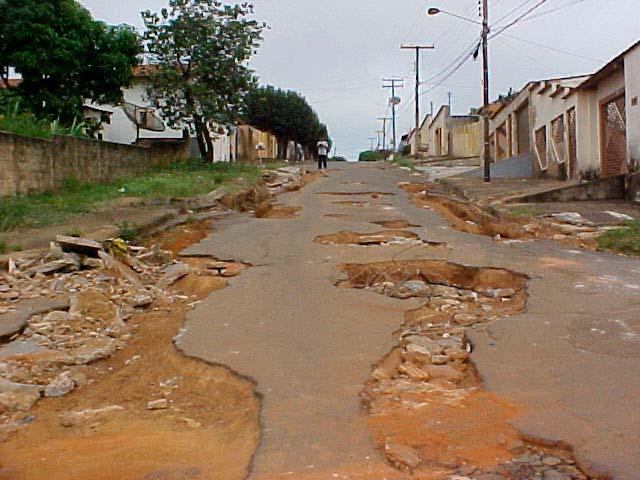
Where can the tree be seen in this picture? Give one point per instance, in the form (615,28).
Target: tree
(201,48)
(287,115)
(64,56)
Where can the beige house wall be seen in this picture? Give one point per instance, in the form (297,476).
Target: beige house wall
(247,139)
(632,82)
(590,123)
(466,140)
(425,139)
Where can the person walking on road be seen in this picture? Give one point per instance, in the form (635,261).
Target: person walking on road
(323,151)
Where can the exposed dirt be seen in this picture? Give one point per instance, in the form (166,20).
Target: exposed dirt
(427,411)
(371,194)
(347,237)
(362,203)
(209,430)
(395,224)
(337,215)
(470,218)
(269,210)
(179,238)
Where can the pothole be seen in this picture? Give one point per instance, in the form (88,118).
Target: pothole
(427,411)
(359,203)
(372,194)
(337,215)
(387,237)
(276,211)
(395,224)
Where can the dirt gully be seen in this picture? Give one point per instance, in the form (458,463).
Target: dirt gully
(427,411)
(470,218)
(147,412)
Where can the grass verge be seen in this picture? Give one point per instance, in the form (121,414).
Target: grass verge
(404,162)
(181,180)
(622,240)
(522,211)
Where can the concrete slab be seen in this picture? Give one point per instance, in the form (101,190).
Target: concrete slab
(14,322)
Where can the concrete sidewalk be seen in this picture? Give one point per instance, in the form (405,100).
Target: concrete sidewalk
(495,193)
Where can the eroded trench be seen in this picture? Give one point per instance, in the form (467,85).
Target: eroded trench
(470,218)
(427,411)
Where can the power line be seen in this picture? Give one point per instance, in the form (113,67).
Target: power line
(514,10)
(557,9)
(514,22)
(554,49)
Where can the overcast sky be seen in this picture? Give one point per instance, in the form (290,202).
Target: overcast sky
(336,51)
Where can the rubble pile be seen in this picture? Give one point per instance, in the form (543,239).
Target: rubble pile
(86,293)
(427,382)
(282,180)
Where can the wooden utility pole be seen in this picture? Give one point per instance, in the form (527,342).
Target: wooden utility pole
(372,139)
(416,134)
(378,132)
(384,121)
(395,83)
(485,90)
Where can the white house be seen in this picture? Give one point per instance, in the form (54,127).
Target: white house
(138,121)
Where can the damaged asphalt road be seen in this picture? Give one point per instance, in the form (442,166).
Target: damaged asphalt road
(566,364)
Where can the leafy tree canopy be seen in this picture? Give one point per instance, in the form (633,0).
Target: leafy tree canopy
(64,56)
(201,49)
(287,115)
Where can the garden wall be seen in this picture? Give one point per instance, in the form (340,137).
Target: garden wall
(32,165)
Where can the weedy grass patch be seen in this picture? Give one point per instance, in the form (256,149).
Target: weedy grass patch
(181,180)
(625,239)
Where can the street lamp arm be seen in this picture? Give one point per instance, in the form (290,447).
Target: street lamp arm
(436,11)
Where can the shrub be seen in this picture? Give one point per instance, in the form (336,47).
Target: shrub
(370,156)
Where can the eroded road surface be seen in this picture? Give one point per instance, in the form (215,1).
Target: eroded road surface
(564,367)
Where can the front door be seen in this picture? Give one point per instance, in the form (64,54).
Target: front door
(614,137)
(523,130)
(573,147)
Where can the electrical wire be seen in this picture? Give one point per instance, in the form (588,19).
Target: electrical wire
(513,10)
(549,12)
(554,49)
(515,22)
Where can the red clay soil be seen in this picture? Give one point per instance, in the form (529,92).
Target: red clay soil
(210,429)
(346,237)
(395,224)
(427,412)
(275,211)
(470,218)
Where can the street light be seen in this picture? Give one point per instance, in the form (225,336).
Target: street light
(435,11)
(485,78)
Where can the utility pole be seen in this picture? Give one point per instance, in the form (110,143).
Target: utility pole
(416,134)
(378,132)
(394,102)
(384,121)
(485,90)
(372,139)
(449,95)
